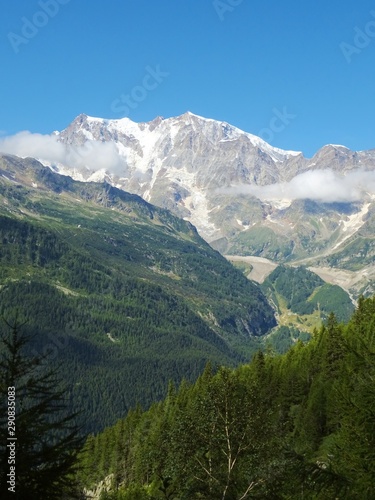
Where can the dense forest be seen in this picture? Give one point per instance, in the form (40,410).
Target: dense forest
(122,294)
(98,307)
(294,426)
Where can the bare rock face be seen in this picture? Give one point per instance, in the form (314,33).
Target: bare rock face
(341,159)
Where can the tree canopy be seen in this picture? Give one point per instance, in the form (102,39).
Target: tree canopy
(292,426)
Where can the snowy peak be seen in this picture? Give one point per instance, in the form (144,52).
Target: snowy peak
(93,128)
(209,153)
(178,162)
(227,182)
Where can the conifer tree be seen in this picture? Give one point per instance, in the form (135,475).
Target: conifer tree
(47,437)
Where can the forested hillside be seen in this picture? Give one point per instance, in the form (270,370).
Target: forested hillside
(304,292)
(293,426)
(124,295)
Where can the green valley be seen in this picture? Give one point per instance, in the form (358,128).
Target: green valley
(123,294)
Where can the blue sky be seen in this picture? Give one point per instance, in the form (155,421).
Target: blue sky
(299,74)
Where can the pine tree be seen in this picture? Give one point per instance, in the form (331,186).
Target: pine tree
(47,437)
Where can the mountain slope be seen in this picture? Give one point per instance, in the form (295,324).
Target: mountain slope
(125,294)
(244,196)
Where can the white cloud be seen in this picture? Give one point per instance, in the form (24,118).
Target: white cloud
(35,145)
(319,185)
(46,148)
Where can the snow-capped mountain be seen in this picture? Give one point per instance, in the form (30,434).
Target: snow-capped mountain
(180,163)
(184,163)
(244,196)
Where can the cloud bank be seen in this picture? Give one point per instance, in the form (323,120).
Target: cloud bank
(93,155)
(324,186)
